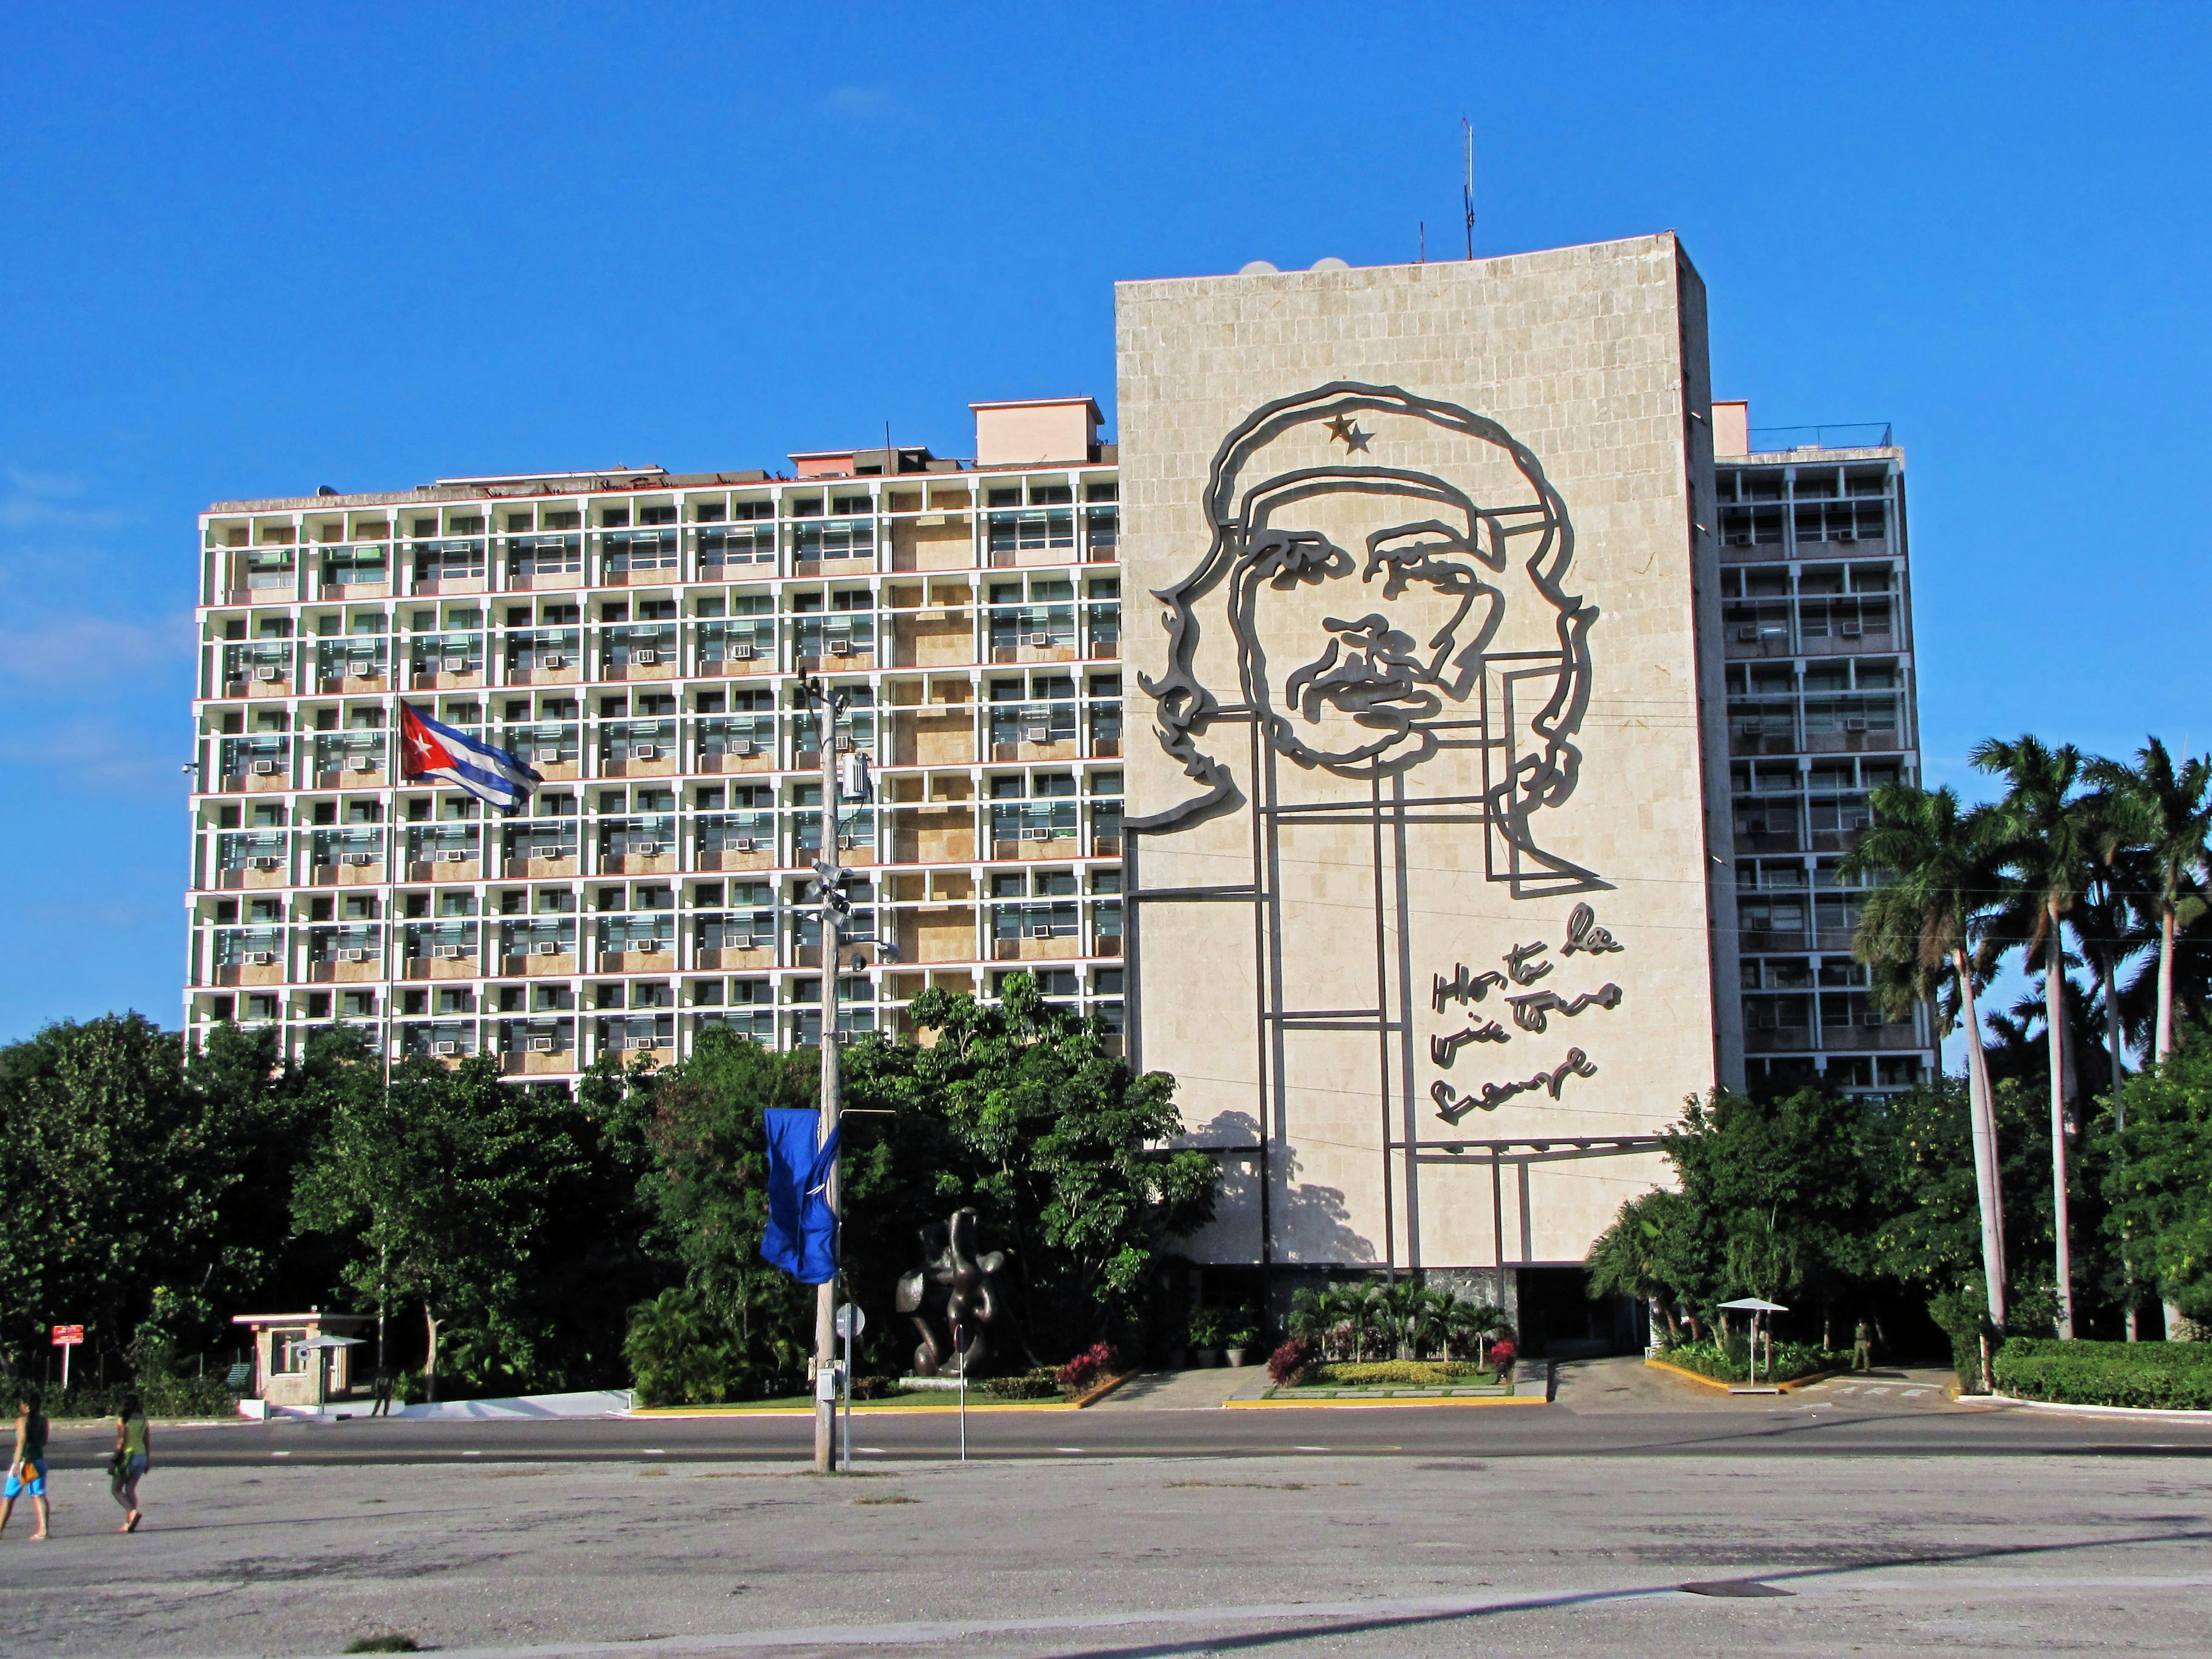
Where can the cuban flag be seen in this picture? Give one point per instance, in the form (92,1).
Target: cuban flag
(429,749)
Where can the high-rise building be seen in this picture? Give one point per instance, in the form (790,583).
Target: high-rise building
(1817,613)
(636,637)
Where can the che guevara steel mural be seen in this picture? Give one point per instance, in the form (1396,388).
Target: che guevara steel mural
(1388,614)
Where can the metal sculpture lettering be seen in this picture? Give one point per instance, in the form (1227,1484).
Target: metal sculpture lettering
(1452,1105)
(950,1298)
(1532,1013)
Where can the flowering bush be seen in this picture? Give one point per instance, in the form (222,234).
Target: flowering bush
(1088,1368)
(1290,1361)
(1502,1354)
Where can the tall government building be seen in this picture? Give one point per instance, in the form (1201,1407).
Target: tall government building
(1464,791)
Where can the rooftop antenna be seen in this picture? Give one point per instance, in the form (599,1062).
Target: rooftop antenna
(1423,259)
(1467,191)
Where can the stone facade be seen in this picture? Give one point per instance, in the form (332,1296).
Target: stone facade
(1428,767)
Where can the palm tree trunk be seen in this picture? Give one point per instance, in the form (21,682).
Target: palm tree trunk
(2165,1037)
(2115,1054)
(1982,1118)
(2054,1016)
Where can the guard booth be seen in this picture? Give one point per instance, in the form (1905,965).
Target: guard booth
(304,1360)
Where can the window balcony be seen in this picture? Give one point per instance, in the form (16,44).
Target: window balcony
(736,840)
(549,656)
(648,556)
(637,847)
(537,1047)
(535,562)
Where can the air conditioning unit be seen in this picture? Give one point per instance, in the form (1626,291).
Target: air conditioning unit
(1040,639)
(545,947)
(552,659)
(740,844)
(644,751)
(358,859)
(841,648)
(1043,930)
(740,654)
(444,1048)
(259,959)
(1854,724)
(267,861)
(265,769)
(548,756)
(744,748)
(363,762)
(266,673)
(541,1045)
(645,947)
(1031,833)
(739,942)
(452,855)
(645,659)
(1847,537)
(353,953)
(1036,734)
(456,665)
(844,745)
(1851,630)
(1747,632)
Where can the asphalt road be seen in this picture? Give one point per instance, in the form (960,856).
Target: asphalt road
(1829,1424)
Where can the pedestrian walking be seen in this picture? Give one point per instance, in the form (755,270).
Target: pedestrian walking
(385,1380)
(1862,1348)
(134,1445)
(27,1466)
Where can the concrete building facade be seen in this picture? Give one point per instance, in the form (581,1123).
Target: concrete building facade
(1496,712)
(1433,915)
(636,637)
(1817,616)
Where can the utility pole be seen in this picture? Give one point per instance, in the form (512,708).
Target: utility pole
(830,875)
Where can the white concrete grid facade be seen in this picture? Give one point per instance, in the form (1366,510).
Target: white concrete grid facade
(636,637)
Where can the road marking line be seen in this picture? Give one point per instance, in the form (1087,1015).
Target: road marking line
(1067,1448)
(472,1454)
(1309,1449)
(656,1451)
(282,1454)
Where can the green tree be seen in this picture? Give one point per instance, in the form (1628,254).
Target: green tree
(444,1185)
(2165,810)
(2050,837)
(1936,870)
(2158,1178)
(1629,1257)
(126,1180)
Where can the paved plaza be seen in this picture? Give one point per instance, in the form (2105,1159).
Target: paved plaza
(1950,1531)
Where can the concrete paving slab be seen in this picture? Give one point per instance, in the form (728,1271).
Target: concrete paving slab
(1190,1390)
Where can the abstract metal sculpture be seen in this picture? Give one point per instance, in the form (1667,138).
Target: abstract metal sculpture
(960,1288)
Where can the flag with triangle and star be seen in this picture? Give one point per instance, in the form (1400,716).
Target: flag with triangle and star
(429,749)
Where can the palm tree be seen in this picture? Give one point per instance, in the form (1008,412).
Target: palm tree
(1625,1260)
(1936,873)
(1469,1321)
(2051,835)
(2166,810)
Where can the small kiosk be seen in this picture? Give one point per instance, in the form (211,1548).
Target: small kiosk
(302,1361)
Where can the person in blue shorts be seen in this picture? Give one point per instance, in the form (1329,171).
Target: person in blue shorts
(27,1469)
(133,1448)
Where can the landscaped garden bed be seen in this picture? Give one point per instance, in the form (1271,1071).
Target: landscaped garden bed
(1731,1363)
(2156,1376)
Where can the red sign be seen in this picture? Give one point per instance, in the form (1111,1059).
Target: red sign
(68,1336)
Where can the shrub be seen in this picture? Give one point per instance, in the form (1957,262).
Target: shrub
(2165,1376)
(1731,1363)
(1205,1325)
(1043,1384)
(1292,1360)
(1396,1373)
(1088,1368)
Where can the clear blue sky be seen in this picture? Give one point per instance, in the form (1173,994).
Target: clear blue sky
(253,250)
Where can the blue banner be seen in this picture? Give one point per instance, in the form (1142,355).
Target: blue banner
(802,1234)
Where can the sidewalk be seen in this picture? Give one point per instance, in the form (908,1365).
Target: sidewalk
(1182,1391)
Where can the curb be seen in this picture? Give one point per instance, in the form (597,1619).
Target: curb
(861,1407)
(1716,1382)
(2137,1413)
(1097,1392)
(1380,1405)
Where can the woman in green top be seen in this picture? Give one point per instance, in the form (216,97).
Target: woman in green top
(27,1469)
(133,1445)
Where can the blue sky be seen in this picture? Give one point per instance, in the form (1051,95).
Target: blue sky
(254,250)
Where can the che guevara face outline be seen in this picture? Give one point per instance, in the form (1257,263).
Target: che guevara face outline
(1357,684)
